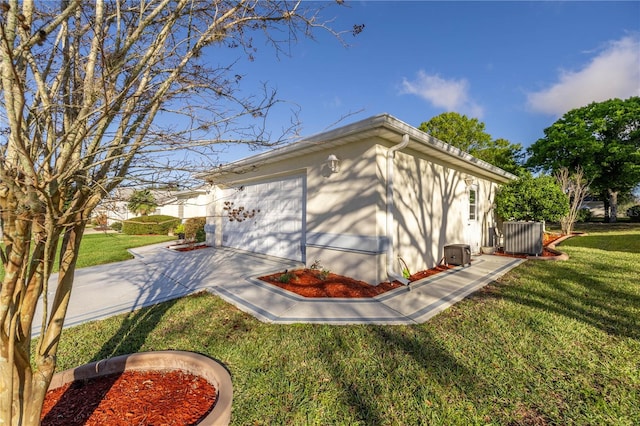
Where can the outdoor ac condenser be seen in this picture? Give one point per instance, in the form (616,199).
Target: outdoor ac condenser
(523,237)
(457,254)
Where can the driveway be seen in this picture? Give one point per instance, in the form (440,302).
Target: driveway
(155,275)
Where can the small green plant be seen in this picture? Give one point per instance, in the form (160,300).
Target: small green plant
(116,226)
(287,277)
(324,274)
(406,273)
(179,229)
(319,271)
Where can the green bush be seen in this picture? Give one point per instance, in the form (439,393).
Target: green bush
(194,229)
(584,215)
(116,226)
(529,198)
(634,213)
(150,225)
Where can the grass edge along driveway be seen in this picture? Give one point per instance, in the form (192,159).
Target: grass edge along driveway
(550,343)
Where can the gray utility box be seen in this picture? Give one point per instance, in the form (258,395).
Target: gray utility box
(457,254)
(523,237)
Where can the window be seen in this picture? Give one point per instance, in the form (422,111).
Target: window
(473,203)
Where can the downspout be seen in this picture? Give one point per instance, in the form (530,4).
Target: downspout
(393,276)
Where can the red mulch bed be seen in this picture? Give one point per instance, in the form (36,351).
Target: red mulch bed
(130,398)
(189,248)
(312,283)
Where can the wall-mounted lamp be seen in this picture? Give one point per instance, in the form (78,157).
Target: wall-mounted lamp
(334,163)
(468,180)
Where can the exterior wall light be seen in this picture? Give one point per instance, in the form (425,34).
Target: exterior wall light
(334,163)
(468,180)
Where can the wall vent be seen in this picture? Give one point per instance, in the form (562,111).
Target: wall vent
(522,237)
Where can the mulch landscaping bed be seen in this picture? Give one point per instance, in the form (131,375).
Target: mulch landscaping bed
(313,283)
(131,398)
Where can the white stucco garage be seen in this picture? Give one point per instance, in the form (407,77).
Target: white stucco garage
(276,228)
(394,194)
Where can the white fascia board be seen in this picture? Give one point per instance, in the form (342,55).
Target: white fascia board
(420,141)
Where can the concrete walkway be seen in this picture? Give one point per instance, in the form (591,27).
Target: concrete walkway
(158,274)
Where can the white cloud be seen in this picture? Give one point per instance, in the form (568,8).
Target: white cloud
(451,95)
(613,73)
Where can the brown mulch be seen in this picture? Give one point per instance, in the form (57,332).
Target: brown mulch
(312,283)
(130,398)
(189,248)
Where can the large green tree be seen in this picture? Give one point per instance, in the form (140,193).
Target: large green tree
(602,138)
(469,135)
(463,132)
(87,92)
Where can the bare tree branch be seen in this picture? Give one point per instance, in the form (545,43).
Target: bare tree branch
(87,89)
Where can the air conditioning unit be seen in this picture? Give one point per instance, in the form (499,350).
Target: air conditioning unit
(457,254)
(523,237)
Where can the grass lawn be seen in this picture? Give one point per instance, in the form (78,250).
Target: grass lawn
(550,343)
(100,248)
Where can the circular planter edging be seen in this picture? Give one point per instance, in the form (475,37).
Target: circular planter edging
(189,362)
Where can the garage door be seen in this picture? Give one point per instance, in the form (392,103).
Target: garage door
(277,228)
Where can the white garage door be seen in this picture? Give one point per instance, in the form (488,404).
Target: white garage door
(277,228)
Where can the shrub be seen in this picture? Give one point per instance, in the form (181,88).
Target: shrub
(634,213)
(529,198)
(584,215)
(146,225)
(194,229)
(116,226)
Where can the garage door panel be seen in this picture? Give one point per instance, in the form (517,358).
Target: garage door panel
(277,230)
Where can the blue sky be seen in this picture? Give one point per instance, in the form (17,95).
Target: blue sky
(516,66)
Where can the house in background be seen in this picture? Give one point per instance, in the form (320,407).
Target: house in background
(357,199)
(184,204)
(114,207)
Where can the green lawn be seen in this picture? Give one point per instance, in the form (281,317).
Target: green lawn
(96,249)
(551,343)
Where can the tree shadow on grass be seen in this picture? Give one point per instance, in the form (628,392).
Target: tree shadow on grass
(132,333)
(397,346)
(575,293)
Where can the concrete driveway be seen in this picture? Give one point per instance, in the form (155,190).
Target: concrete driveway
(155,275)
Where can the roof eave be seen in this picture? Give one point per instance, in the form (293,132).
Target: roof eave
(384,126)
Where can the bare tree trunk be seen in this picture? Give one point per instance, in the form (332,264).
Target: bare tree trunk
(576,187)
(612,197)
(607,207)
(82,85)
